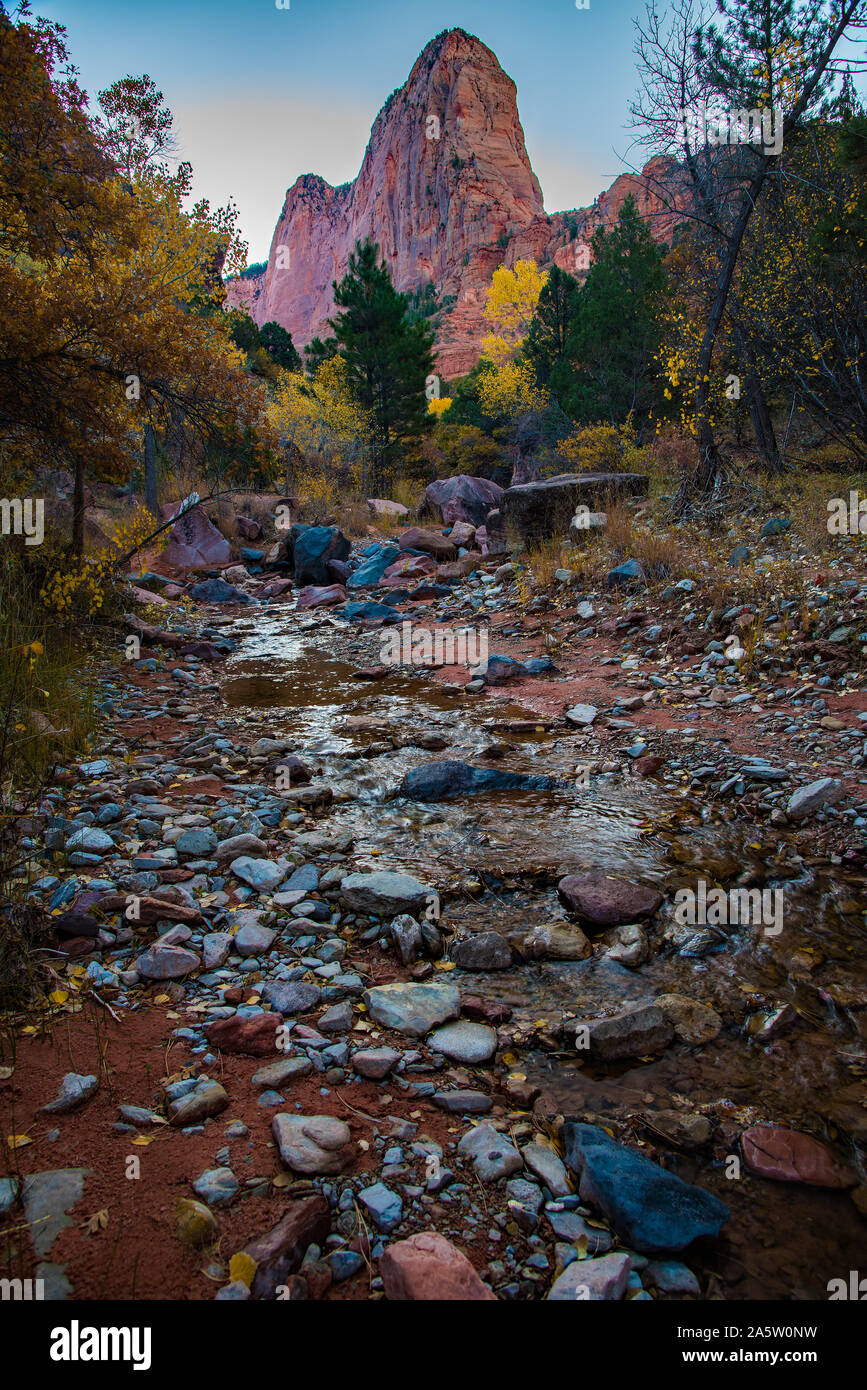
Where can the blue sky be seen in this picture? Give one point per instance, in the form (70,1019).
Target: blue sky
(261,95)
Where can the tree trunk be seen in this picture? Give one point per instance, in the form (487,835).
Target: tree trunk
(78,509)
(763,425)
(150,471)
(709,469)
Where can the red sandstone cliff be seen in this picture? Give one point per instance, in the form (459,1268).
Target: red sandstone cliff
(448,192)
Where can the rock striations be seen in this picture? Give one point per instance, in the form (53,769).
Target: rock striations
(447,190)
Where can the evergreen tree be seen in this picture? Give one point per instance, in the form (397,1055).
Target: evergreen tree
(279,346)
(547,341)
(388,357)
(614,333)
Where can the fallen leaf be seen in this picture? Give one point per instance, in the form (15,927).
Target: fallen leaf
(242,1268)
(58,996)
(95,1223)
(18,1141)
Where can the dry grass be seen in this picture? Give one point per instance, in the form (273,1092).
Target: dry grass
(544,557)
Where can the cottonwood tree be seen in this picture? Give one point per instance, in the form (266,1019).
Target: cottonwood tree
(109,296)
(757,55)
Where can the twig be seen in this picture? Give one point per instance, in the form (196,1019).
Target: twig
(94,995)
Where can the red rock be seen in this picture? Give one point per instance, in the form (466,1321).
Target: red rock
(371,673)
(279,1252)
(248,529)
(459,569)
(411,567)
(448,209)
(462,533)
(648,765)
(430,542)
(485,1010)
(462,498)
(275,587)
(427,1267)
(200,786)
(153,908)
(254,1036)
(195,543)
(607,902)
(787,1155)
(145,596)
(204,651)
(321,595)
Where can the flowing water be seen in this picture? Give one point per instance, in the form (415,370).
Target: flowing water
(496,859)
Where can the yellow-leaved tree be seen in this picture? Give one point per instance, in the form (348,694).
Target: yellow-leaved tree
(324,432)
(509,308)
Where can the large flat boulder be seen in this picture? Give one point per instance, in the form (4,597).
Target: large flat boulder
(546,507)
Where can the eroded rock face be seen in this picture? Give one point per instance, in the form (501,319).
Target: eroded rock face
(447,210)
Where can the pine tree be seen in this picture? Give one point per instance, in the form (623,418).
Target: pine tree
(547,341)
(279,346)
(614,331)
(388,357)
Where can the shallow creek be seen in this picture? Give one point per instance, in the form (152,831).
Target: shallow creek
(496,858)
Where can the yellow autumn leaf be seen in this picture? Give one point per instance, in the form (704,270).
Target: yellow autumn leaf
(143,1139)
(29,1030)
(242,1268)
(18,1141)
(444,965)
(163,999)
(508,1059)
(37,647)
(58,996)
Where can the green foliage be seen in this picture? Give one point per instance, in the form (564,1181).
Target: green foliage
(388,357)
(279,346)
(615,334)
(548,341)
(317,351)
